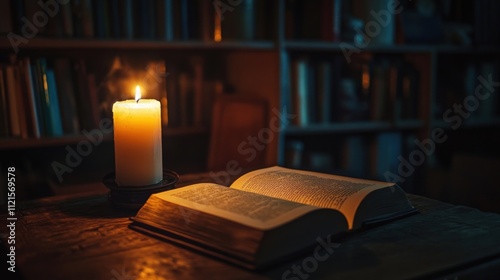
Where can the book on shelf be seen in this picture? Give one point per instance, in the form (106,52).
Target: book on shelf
(269,215)
(32,112)
(4,116)
(6,18)
(165,20)
(13,109)
(49,99)
(239,23)
(301,94)
(385,150)
(408,91)
(67,96)
(379,89)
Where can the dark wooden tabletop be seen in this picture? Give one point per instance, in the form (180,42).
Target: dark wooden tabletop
(83,237)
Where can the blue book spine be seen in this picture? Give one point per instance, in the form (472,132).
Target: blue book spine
(54,110)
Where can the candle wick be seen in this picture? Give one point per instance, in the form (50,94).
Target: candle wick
(137,101)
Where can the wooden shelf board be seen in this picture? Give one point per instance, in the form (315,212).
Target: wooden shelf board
(337,128)
(331,46)
(168,131)
(17,143)
(91,44)
(365,126)
(469,123)
(409,124)
(11,144)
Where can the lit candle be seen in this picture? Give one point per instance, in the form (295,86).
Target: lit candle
(137,132)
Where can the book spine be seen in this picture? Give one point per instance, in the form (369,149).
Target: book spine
(93,99)
(53,105)
(115,18)
(4,116)
(128,19)
(303,93)
(337,20)
(44,95)
(14,122)
(21,102)
(37,90)
(207,20)
(6,25)
(325,92)
(30,94)
(17,12)
(67,20)
(173,95)
(99,16)
(198,91)
(67,100)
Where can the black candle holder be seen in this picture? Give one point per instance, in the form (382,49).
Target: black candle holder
(134,197)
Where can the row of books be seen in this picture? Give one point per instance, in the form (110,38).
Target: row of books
(419,22)
(378,157)
(339,21)
(329,90)
(46,99)
(165,20)
(42,97)
(469,84)
(191,92)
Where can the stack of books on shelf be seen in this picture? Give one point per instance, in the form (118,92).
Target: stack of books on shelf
(462,85)
(39,98)
(164,20)
(328,91)
(51,97)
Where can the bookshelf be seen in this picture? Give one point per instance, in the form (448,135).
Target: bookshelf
(341,146)
(256,52)
(181,36)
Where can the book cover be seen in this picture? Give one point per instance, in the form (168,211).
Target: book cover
(246,223)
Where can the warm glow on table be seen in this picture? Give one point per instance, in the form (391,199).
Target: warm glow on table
(137,136)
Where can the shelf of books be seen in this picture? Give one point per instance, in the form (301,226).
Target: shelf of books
(44,98)
(161,20)
(362,91)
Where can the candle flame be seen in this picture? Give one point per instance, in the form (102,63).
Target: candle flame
(137,93)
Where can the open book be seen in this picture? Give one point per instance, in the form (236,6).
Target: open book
(268,215)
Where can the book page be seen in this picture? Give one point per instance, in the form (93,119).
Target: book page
(247,208)
(312,188)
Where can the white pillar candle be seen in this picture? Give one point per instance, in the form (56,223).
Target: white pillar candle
(137,136)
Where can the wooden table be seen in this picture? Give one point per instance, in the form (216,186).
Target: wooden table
(84,237)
